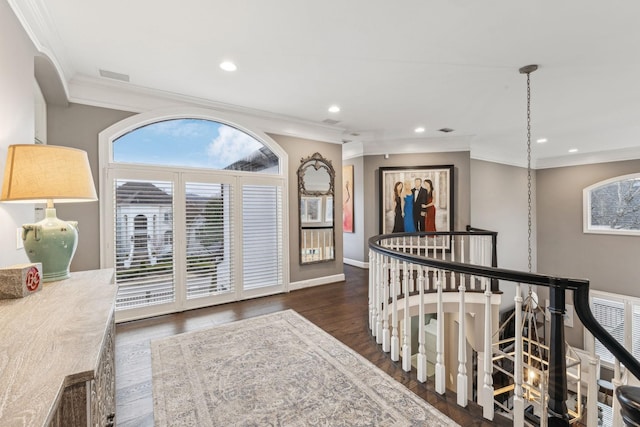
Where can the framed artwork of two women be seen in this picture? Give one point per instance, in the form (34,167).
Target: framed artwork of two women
(416,198)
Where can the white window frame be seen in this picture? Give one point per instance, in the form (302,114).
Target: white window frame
(106,164)
(587,227)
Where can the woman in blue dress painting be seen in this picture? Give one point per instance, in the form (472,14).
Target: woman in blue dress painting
(409,223)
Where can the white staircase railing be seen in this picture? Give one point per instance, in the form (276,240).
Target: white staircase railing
(425,275)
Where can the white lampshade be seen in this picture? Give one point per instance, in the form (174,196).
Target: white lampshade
(47,174)
(40,173)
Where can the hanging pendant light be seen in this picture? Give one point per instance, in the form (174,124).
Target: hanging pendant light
(526,351)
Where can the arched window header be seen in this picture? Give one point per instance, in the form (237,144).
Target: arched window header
(197,143)
(613,206)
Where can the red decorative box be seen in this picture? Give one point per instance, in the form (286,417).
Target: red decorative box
(20,280)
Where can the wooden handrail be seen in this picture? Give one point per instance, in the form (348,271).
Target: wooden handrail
(558,286)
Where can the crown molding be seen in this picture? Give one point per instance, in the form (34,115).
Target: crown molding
(123,96)
(501,158)
(438,144)
(36,21)
(577,159)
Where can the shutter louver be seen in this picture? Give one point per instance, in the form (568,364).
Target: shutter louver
(635,332)
(209,239)
(262,236)
(610,314)
(144,243)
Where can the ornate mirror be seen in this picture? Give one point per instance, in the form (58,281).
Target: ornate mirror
(316,178)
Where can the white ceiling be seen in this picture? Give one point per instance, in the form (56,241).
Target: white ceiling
(390,65)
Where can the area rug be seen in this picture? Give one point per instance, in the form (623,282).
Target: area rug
(276,370)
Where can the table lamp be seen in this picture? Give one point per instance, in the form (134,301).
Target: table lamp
(37,173)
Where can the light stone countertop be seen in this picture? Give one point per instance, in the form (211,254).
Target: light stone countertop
(49,340)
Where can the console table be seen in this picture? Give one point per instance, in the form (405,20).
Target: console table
(57,354)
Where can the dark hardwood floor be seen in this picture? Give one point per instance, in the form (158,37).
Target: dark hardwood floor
(341,309)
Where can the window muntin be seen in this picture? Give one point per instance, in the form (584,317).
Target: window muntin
(194,143)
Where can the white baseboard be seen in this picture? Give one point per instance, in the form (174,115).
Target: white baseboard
(355,263)
(316,282)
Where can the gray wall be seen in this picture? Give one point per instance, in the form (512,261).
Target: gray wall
(499,203)
(353,248)
(609,262)
(16,122)
(298,149)
(461,184)
(78,126)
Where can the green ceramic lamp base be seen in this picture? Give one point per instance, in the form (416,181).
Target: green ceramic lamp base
(52,242)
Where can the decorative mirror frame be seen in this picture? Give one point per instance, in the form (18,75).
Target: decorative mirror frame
(317,162)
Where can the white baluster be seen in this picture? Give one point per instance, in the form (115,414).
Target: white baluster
(440,366)
(372,268)
(376,284)
(381,284)
(386,333)
(378,291)
(395,340)
(518,399)
(422,356)
(453,251)
(542,390)
(592,389)
(463,384)
(404,244)
(617,382)
(487,381)
(406,338)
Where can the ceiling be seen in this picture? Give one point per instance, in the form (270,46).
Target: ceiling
(390,66)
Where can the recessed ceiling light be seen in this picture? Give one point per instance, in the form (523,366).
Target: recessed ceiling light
(419,129)
(334,109)
(573,150)
(541,140)
(228,66)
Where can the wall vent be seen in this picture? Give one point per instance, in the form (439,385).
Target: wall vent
(115,76)
(330,122)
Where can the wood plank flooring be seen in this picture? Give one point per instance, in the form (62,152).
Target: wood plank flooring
(341,309)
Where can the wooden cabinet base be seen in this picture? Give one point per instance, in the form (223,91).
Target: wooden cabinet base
(62,354)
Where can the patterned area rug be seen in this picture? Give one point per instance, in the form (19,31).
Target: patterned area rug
(276,370)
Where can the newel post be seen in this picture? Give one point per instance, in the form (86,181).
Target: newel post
(557,408)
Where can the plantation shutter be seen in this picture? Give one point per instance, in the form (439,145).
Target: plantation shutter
(144,250)
(209,234)
(262,241)
(610,314)
(635,332)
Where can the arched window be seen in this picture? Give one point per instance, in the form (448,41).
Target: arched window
(196,143)
(213,196)
(613,206)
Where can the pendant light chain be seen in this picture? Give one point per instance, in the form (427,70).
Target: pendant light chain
(529,167)
(528,70)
